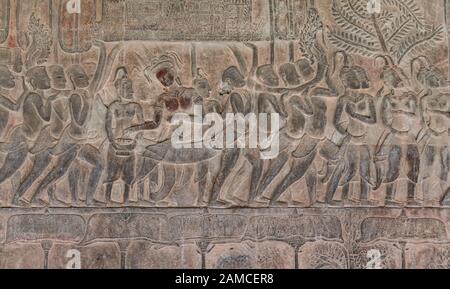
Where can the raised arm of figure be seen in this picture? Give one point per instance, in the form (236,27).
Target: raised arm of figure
(104,66)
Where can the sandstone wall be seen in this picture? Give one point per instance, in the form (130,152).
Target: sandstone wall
(89,90)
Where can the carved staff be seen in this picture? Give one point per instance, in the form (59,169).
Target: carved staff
(272,31)
(193,61)
(98,10)
(447,29)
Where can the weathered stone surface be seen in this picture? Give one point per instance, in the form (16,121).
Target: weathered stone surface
(145,255)
(225,133)
(403,228)
(293,226)
(251,255)
(127,226)
(21,256)
(427,256)
(323,255)
(34,227)
(94,256)
(379,255)
(209,226)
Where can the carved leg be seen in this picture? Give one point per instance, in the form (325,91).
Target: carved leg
(229,160)
(144,171)
(13,161)
(202,179)
(274,169)
(92,156)
(333,183)
(365,171)
(113,169)
(40,164)
(59,170)
(299,169)
(128,175)
(257,166)
(413,161)
(169,183)
(394,157)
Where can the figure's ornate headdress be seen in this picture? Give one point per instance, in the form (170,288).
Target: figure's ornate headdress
(169,60)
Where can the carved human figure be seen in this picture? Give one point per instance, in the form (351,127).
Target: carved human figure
(36,113)
(433,138)
(241,99)
(175,99)
(15,147)
(396,154)
(7,82)
(434,144)
(355,114)
(206,171)
(120,116)
(397,149)
(233,82)
(62,143)
(299,139)
(57,77)
(297,164)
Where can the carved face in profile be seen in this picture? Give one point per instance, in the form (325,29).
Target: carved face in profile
(431,78)
(233,78)
(355,77)
(6,78)
(202,87)
(166,76)
(57,76)
(391,78)
(125,87)
(267,75)
(305,68)
(289,74)
(78,76)
(439,103)
(38,78)
(404,103)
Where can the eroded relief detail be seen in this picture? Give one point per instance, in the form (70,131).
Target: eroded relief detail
(90,95)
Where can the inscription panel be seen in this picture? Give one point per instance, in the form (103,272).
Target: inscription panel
(184,20)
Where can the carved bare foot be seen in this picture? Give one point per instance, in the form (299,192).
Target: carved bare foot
(302,204)
(201,203)
(279,202)
(260,201)
(218,203)
(167,203)
(394,202)
(413,203)
(22,201)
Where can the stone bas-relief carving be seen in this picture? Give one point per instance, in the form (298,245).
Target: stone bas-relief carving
(86,120)
(89,90)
